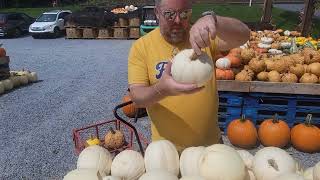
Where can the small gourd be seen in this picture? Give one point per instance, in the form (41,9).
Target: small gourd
(92,141)
(266,40)
(114,139)
(223,63)
(265,46)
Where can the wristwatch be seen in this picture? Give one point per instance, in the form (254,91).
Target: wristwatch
(211,13)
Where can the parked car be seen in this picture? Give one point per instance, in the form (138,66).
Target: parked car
(14,24)
(49,23)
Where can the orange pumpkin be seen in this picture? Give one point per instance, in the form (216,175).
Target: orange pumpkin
(274,132)
(224,74)
(305,137)
(242,133)
(129,110)
(234,59)
(3,52)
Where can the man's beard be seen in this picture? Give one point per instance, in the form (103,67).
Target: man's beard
(177,35)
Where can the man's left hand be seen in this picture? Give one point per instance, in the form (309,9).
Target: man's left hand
(201,32)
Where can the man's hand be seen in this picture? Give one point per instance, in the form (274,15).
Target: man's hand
(201,31)
(167,86)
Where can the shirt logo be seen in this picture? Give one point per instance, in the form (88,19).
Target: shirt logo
(160,67)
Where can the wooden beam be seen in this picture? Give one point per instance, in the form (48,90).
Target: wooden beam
(267,12)
(306,22)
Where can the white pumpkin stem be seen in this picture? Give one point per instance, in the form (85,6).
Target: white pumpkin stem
(194,56)
(308,120)
(273,164)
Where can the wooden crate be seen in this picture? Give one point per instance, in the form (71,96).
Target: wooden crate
(90,33)
(123,22)
(134,21)
(105,33)
(73,33)
(119,32)
(134,33)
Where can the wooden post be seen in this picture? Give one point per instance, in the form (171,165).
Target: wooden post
(306,22)
(267,12)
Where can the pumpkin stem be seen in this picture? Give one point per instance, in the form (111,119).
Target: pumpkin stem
(273,164)
(194,56)
(91,136)
(275,118)
(243,118)
(112,131)
(308,120)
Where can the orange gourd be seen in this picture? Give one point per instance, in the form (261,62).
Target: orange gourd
(242,133)
(274,132)
(224,74)
(305,137)
(129,110)
(3,52)
(235,60)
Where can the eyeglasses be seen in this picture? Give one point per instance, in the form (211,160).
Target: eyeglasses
(171,15)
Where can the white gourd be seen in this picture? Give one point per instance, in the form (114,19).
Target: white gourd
(188,157)
(287,33)
(95,157)
(162,155)
(128,164)
(247,158)
(308,174)
(264,46)
(275,51)
(158,175)
(112,178)
(1,88)
(270,162)
(223,63)
(266,40)
(186,70)
(221,162)
(285,45)
(192,178)
(83,174)
(289,176)
(316,171)
(7,84)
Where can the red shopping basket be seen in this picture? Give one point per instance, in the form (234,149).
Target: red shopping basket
(99,130)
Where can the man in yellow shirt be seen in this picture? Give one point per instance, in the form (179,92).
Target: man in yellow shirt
(182,113)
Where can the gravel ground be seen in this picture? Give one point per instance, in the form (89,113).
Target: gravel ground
(81,82)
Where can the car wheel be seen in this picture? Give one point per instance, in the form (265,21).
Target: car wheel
(57,32)
(17,32)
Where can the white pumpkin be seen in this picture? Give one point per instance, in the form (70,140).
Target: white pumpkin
(285,45)
(192,178)
(186,70)
(95,157)
(7,84)
(128,165)
(275,51)
(223,63)
(308,174)
(266,40)
(33,77)
(158,175)
(247,158)
(23,80)
(264,46)
(15,81)
(287,33)
(289,176)
(221,162)
(83,174)
(162,155)
(188,161)
(316,171)
(270,162)
(299,169)
(250,175)
(1,88)
(112,178)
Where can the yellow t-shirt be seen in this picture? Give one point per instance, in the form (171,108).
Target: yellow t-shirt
(185,120)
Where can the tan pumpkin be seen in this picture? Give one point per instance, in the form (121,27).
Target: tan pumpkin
(114,139)
(242,133)
(274,132)
(306,137)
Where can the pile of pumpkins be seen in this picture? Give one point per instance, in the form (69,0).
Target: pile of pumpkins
(269,56)
(17,79)
(274,132)
(216,162)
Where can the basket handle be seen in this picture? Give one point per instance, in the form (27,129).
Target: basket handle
(115,113)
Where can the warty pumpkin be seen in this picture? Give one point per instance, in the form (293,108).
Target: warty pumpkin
(242,133)
(306,137)
(114,139)
(274,132)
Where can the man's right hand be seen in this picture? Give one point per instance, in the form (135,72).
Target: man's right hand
(167,86)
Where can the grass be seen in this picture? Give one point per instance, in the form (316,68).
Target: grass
(281,18)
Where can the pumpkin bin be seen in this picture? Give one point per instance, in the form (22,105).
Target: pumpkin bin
(242,133)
